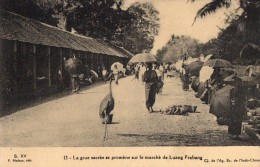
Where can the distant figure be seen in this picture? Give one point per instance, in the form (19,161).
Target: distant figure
(136,72)
(237,109)
(159,74)
(159,82)
(150,79)
(115,73)
(141,72)
(104,73)
(75,83)
(99,72)
(161,68)
(249,71)
(185,79)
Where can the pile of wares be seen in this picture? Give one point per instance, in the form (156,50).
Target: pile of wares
(254,119)
(178,110)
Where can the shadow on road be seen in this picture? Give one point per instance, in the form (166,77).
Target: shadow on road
(32,102)
(208,138)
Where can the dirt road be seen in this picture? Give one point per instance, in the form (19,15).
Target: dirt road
(73,120)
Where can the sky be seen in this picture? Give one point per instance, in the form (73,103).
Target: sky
(177,17)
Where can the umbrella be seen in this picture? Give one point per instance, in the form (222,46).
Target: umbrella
(94,76)
(93,73)
(194,68)
(120,66)
(220,101)
(218,63)
(73,65)
(143,57)
(250,52)
(207,58)
(205,73)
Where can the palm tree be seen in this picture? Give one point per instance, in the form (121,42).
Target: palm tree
(249,20)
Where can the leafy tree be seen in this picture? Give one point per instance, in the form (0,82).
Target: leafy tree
(249,21)
(31,9)
(144,26)
(94,18)
(133,28)
(177,47)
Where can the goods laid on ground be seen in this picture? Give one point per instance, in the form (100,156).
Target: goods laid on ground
(254,118)
(178,110)
(253,127)
(170,73)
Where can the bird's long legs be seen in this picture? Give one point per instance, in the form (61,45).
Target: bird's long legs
(106,131)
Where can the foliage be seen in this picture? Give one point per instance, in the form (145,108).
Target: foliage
(179,46)
(31,9)
(144,26)
(249,20)
(243,28)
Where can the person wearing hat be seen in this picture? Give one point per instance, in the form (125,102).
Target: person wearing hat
(150,79)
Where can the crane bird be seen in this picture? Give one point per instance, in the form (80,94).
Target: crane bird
(106,106)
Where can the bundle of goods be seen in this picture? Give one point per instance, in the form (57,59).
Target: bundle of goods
(178,110)
(252,103)
(254,119)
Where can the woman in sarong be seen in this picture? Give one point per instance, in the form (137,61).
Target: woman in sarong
(150,79)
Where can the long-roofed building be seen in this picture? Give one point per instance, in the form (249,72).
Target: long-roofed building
(33,53)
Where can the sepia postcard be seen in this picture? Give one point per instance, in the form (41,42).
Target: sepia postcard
(129,83)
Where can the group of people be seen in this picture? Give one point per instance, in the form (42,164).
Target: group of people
(102,72)
(237,109)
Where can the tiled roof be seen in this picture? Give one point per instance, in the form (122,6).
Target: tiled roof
(20,28)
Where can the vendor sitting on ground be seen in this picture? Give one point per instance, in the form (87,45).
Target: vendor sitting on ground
(216,79)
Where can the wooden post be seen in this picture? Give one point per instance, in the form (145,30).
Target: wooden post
(61,62)
(101,60)
(34,67)
(92,60)
(98,59)
(49,65)
(2,100)
(70,51)
(15,66)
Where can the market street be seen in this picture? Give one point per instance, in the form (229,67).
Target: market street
(73,120)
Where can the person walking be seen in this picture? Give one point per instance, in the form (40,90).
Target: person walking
(150,79)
